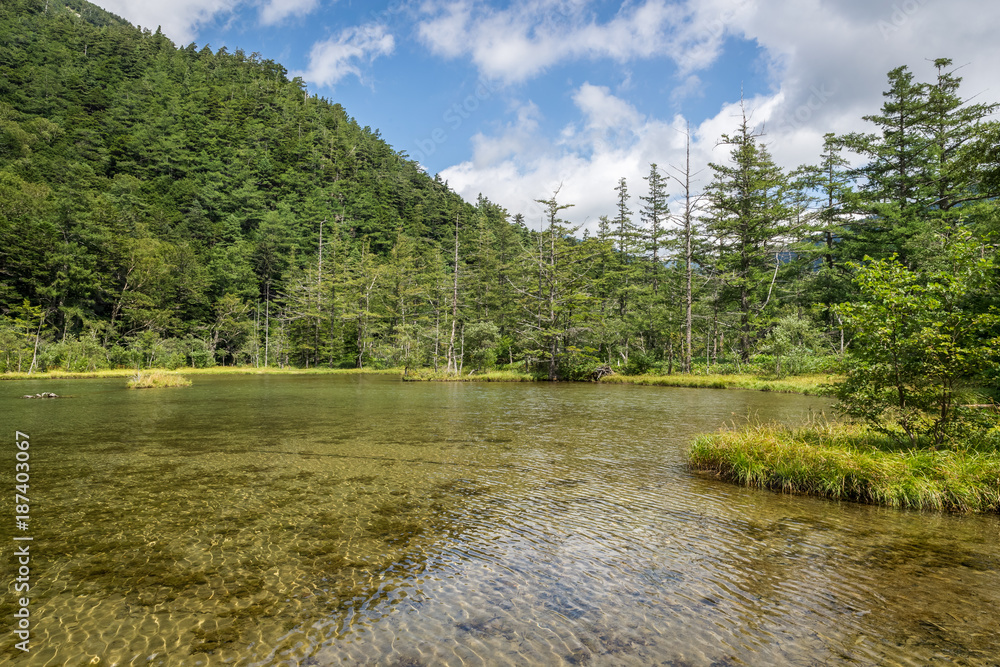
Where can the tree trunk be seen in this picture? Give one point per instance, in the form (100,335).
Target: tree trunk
(452,362)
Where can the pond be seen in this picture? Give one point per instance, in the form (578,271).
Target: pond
(326,520)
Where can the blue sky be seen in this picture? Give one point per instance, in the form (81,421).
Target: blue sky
(514,99)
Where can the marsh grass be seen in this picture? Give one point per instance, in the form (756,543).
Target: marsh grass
(155,379)
(853,462)
(428,375)
(819,384)
(214,370)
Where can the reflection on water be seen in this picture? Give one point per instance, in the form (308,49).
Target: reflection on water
(359,520)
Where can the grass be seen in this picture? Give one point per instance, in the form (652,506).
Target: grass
(429,375)
(819,384)
(214,370)
(801,384)
(852,462)
(153,379)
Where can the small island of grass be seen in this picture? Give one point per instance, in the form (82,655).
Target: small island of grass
(154,379)
(854,462)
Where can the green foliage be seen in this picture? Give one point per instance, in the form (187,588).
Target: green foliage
(792,341)
(926,166)
(749,216)
(917,339)
(481,339)
(146,186)
(576,363)
(638,363)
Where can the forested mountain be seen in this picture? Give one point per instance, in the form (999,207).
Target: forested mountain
(178,206)
(147,188)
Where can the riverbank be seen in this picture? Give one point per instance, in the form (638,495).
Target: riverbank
(817,384)
(852,462)
(430,375)
(813,385)
(215,370)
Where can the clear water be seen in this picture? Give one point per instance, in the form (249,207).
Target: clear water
(328,520)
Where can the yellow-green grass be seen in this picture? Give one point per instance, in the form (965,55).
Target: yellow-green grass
(819,384)
(215,370)
(852,462)
(155,379)
(429,375)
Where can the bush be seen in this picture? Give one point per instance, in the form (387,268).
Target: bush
(638,363)
(917,339)
(74,355)
(481,340)
(577,363)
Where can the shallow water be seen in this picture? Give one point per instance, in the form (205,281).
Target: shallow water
(325,520)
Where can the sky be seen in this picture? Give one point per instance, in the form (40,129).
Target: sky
(519,99)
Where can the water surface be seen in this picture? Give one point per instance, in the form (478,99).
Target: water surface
(325,520)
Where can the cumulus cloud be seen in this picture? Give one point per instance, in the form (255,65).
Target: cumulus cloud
(521,41)
(178,19)
(611,140)
(825,62)
(337,57)
(276,11)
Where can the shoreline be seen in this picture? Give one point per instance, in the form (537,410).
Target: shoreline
(852,462)
(214,370)
(817,384)
(809,385)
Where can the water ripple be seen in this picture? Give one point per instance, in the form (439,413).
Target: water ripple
(360,521)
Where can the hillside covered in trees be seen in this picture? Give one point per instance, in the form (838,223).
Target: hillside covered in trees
(165,206)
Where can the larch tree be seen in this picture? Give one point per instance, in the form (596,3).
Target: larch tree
(749,217)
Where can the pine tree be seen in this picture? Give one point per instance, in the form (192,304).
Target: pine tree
(655,214)
(749,217)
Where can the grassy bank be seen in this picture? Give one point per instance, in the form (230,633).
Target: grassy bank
(818,384)
(429,375)
(155,379)
(852,462)
(800,384)
(215,370)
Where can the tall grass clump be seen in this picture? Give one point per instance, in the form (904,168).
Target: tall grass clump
(152,379)
(854,462)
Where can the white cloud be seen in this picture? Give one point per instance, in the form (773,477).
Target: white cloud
(523,40)
(333,59)
(615,140)
(603,110)
(518,141)
(276,11)
(181,19)
(826,62)
(178,19)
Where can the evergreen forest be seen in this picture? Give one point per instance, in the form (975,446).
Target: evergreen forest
(170,206)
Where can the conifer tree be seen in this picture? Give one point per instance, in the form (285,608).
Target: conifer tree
(749,217)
